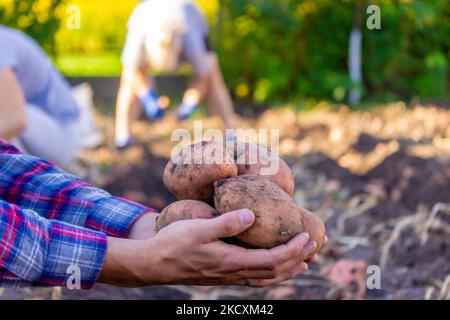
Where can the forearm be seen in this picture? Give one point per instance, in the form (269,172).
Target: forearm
(10,129)
(121,263)
(219,97)
(136,80)
(12,105)
(35,184)
(198,87)
(126,110)
(141,81)
(134,84)
(145,227)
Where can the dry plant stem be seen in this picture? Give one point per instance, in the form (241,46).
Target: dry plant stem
(438,207)
(395,235)
(445,289)
(428,293)
(423,222)
(365,203)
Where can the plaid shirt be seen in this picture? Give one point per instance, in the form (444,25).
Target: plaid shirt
(51,222)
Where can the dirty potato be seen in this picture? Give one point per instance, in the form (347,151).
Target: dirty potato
(193,171)
(184,210)
(277,217)
(254,159)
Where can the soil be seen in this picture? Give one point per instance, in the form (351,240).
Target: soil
(376,178)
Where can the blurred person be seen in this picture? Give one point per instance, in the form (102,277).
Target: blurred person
(161,35)
(55,224)
(39,111)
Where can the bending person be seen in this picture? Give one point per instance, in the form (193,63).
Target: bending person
(161,34)
(37,108)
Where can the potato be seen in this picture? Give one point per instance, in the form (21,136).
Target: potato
(184,210)
(314,226)
(254,159)
(277,217)
(192,173)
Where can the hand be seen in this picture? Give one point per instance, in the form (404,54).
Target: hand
(190,252)
(144,227)
(151,106)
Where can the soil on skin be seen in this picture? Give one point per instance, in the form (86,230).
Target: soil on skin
(366,174)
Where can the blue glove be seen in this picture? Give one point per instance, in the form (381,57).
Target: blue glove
(186,110)
(151,106)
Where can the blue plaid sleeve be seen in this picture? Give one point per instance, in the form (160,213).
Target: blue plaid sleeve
(34,184)
(38,251)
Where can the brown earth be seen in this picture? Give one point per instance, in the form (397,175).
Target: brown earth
(379,179)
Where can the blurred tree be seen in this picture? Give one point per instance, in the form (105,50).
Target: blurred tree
(209,8)
(289,49)
(411,45)
(275,50)
(102,27)
(105,31)
(35,17)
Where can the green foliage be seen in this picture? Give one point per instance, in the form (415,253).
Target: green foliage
(93,64)
(278,50)
(37,18)
(270,50)
(102,27)
(410,55)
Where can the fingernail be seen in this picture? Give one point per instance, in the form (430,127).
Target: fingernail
(305,266)
(310,246)
(246,216)
(304,236)
(326,239)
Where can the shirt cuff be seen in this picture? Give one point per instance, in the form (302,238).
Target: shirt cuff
(114,216)
(75,256)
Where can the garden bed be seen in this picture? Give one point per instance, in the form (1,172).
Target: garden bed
(380,180)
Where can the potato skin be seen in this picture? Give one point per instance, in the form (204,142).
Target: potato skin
(192,174)
(251,158)
(184,210)
(315,227)
(278,218)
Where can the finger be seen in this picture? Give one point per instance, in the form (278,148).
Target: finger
(285,255)
(290,250)
(294,261)
(312,259)
(226,225)
(298,269)
(257,274)
(270,274)
(308,250)
(290,264)
(262,259)
(239,259)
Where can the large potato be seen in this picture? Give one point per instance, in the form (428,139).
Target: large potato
(254,159)
(277,217)
(184,210)
(192,173)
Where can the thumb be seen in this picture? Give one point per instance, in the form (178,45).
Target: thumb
(228,224)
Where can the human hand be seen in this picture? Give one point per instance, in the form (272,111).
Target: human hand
(151,106)
(190,252)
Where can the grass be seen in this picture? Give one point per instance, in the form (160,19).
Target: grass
(88,65)
(102,64)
